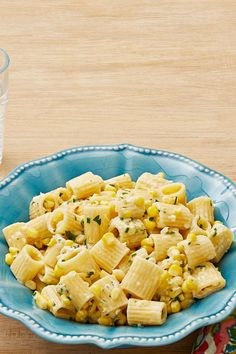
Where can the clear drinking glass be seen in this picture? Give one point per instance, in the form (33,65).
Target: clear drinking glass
(4,64)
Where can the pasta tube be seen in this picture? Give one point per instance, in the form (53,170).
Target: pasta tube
(173,193)
(53,250)
(163,241)
(222,238)
(14,236)
(151,182)
(27,264)
(63,221)
(129,204)
(202,206)
(108,252)
(199,251)
(148,313)
(42,204)
(122,181)
(174,216)
(85,185)
(142,279)
(131,231)
(77,288)
(200,226)
(208,278)
(108,295)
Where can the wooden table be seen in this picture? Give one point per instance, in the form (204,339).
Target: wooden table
(155,73)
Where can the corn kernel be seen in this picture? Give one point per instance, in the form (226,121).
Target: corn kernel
(108,239)
(147,242)
(97,290)
(38,244)
(92,308)
(175,293)
(150,225)
(149,249)
(66,300)
(110,188)
(119,274)
(105,321)
(175,306)
(57,271)
(81,316)
(180,248)
(13,250)
(48,204)
(139,202)
(154,194)
(152,211)
(127,214)
(41,301)
(173,251)
(192,237)
(164,299)
(115,293)
(52,242)
(189,285)
(186,303)
(46,241)
(181,297)
(178,212)
(9,258)
(69,243)
(30,284)
(165,277)
(175,270)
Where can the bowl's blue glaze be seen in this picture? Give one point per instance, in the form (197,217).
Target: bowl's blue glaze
(27,180)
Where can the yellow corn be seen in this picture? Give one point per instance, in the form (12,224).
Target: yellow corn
(113,212)
(97,290)
(165,298)
(13,250)
(46,241)
(127,214)
(108,239)
(30,284)
(147,242)
(180,248)
(48,204)
(154,194)
(175,306)
(150,225)
(38,244)
(52,242)
(189,285)
(181,297)
(191,237)
(92,308)
(41,301)
(115,293)
(105,321)
(65,300)
(173,251)
(186,303)
(175,293)
(152,211)
(149,249)
(165,277)
(9,258)
(119,274)
(69,243)
(139,201)
(81,316)
(57,271)
(175,270)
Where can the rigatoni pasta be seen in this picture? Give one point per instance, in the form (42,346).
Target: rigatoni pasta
(118,252)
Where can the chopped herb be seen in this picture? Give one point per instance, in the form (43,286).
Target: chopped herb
(88,220)
(73,200)
(145,213)
(131,218)
(211,204)
(113,185)
(70,235)
(170,232)
(215,232)
(33,202)
(147,258)
(151,218)
(133,254)
(82,222)
(201,226)
(75,218)
(63,260)
(127,229)
(53,304)
(175,201)
(200,266)
(189,243)
(164,211)
(176,298)
(60,194)
(85,243)
(34,293)
(121,218)
(97,219)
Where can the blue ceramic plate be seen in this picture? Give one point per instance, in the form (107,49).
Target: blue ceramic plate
(47,173)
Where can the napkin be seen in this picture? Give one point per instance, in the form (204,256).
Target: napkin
(219,338)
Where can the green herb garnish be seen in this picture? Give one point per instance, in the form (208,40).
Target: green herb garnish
(88,220)
(97,219)
(70,235)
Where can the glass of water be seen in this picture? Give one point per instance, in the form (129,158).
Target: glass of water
(4,64)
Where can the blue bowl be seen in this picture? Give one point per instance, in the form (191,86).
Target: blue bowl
(27,180)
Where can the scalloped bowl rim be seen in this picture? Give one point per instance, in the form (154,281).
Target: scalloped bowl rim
(100,341)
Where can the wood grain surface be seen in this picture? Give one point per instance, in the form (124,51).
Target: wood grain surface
(154,73)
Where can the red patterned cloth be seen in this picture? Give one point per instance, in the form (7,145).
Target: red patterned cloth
(219,338)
